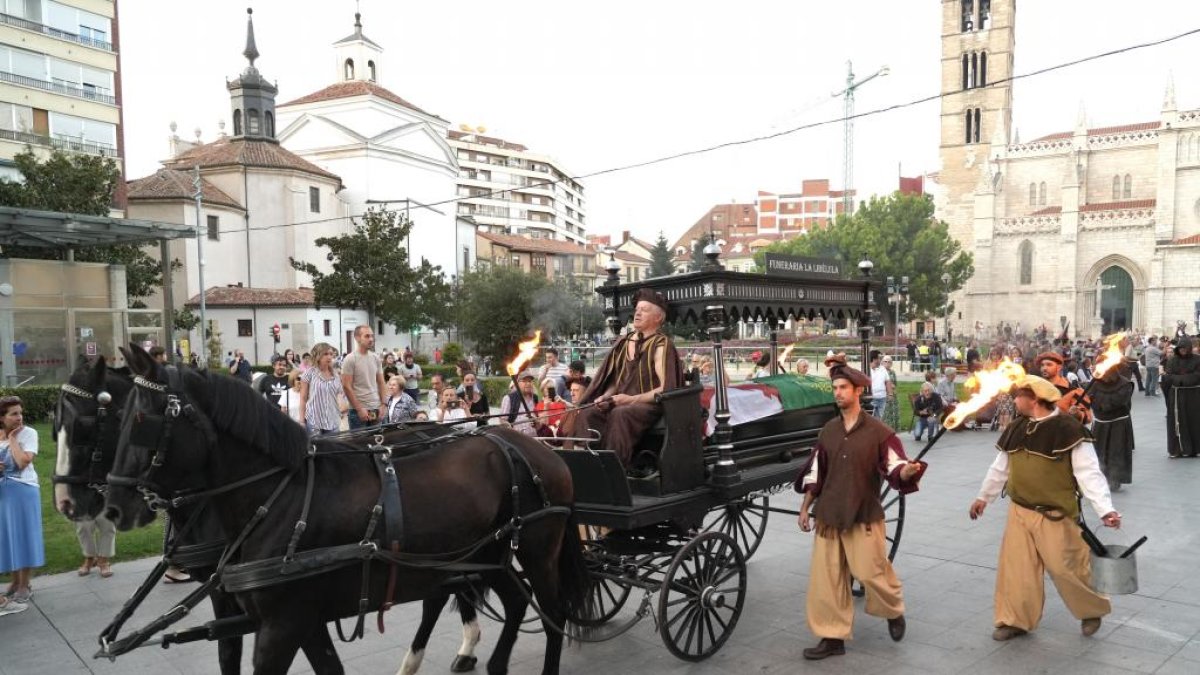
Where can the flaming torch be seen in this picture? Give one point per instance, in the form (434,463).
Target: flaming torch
(988,384)
(525,352)
(1109,359)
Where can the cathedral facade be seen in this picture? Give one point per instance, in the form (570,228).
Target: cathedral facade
(1095,227)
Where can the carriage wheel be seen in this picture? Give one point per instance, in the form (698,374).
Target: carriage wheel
(605,600)
(702,596)
(743,519)
(893,523)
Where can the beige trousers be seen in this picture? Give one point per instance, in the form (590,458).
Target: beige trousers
(97,538)
(1033,545)
(859,553)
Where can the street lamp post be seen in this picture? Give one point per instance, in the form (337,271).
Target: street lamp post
(864,325)
(897,293)
(946,309)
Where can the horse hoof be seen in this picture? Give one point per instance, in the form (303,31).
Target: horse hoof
(463,664)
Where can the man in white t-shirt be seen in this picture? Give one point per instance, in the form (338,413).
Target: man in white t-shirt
(879,381)
(362,380)
(412,376)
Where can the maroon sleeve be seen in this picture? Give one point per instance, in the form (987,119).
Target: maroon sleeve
(893,443)
(817,454)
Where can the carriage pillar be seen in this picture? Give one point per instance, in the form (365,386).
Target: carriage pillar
(726,471)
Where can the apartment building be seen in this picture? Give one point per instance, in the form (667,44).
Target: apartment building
(814,206)
(506,189)
(545,256)
(60,85)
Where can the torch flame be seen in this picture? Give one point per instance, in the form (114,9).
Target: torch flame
(1111,357)
(991,383)
(525,352)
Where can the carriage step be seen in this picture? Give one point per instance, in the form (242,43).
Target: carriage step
(219,629)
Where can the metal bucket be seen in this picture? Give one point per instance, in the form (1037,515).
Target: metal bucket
(1113,574)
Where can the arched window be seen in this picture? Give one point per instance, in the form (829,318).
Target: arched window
(1116,188)
(968,127)
(1042,194)
(968,11)
(978,126)
(1026,252)
(371,70)
(237,122)
(966,71)
(982,69)
(348,70)
(1033,194)
(269,118)
(985,14)
(253,123)
(1128,187)
(974,70)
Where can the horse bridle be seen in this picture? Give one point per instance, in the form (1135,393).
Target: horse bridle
(145,483)
(94,478)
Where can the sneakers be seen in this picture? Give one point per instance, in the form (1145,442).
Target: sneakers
(10,606)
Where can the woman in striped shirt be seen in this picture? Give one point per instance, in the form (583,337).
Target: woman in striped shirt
(320,387)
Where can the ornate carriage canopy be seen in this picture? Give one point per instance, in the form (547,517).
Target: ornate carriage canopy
(744,296)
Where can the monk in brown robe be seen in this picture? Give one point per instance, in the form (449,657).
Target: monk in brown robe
(855,453)
(641,365)
(1073,402)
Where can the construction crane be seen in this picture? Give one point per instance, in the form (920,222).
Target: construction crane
(848,119)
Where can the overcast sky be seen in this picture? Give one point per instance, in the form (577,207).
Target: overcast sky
(603,84)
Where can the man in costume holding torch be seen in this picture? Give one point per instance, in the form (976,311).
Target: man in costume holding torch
(1046,463)
(1071,399)
(855,453)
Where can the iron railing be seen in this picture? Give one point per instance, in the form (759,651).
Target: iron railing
(57,88)
(54,32)
(85,147)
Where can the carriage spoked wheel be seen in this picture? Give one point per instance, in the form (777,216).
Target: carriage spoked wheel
(607,596)
(893,522)
(702,596)
(743,519)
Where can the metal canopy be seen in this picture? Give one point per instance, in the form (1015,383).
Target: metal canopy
(54,229)
(743,296)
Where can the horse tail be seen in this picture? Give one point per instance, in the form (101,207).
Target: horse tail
(574,579)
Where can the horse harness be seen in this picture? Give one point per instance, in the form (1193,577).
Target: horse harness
(81,426)
(377,544)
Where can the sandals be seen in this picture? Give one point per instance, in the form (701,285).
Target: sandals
(10,606)
(105,567)
(86,568)
(176,576)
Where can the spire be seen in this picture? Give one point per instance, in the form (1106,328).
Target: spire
(1081,120)
(1169,97)
(251,50)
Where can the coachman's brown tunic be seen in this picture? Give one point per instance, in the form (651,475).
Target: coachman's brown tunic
(622,426)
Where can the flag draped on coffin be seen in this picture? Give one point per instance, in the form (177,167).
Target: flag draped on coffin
(766,396)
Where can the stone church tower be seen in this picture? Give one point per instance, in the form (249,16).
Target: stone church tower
(978,38)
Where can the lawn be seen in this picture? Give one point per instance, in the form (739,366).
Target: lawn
(62,548)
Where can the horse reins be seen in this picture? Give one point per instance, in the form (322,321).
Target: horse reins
(94,449)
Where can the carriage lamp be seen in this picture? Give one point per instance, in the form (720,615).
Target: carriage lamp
(725,473)
(613,268)
(864,325)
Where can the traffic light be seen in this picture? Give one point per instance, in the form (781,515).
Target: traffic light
(275,333)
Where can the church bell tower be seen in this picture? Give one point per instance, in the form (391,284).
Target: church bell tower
(252,96)
(978,37)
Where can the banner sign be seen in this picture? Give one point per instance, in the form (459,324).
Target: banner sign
(801,266)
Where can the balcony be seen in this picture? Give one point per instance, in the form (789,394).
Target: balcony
(68,144)
(54,32)
(57,88)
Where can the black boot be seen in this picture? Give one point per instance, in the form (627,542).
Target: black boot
(825,648)
(896,628)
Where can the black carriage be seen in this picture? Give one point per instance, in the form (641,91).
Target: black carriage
(694,510)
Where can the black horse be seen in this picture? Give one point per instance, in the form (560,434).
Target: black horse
(86,428)
(86,424)
(191,433)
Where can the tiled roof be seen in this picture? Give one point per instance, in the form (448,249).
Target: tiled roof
(177,184)
(238,296)
(1048,211)
(353,88)
(1186,241)
(485,140)
(1102,131)
(516,243)
(631,257)
(245,152)
(730,217)
(1120,206)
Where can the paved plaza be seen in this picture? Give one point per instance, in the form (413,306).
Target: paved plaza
(947,564)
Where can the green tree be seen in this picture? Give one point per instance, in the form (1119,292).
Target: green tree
(186,320)
(83,184)
(371,271)
(661,262)
(900,236)
(496,308)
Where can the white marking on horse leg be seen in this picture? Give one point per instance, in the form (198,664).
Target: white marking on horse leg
(471,634)
(412,662)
